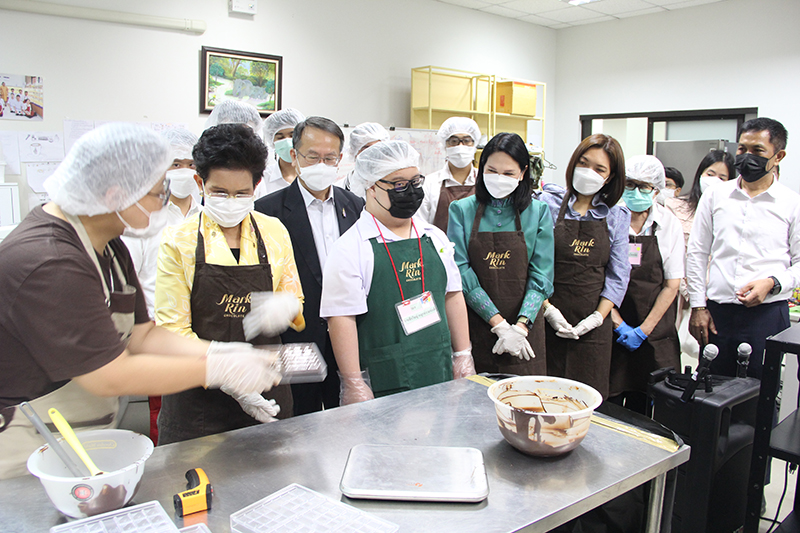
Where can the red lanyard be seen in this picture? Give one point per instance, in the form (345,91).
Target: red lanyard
(421,262)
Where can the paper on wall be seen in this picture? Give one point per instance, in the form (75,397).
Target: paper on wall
(37,198)
(10,144)
(37,173)
(73,129)
(41,146)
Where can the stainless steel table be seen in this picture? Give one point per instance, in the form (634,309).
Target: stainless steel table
(525,492)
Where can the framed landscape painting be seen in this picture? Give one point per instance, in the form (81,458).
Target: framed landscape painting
(244,76)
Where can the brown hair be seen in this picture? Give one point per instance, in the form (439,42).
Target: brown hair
(613,189)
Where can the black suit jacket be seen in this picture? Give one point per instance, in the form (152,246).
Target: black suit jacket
(288,206)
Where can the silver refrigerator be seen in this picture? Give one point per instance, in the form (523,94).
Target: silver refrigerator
(686,156)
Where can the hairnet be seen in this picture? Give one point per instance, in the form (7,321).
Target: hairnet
(181,142)
(280,120)
(235,112)
(366,133)
(645,168)
(380,160)
(455,125)
(109,169)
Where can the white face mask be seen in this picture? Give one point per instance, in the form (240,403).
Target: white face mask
(498,185)
(586,181)
(181,182)
(708,181)
(157,222)
(664,194)
(460,156)
(228,212)
(319,177)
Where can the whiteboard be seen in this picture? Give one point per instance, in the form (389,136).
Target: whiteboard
(430,148)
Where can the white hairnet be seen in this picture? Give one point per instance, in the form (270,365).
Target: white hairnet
(454,125)
(109,169)
(181,141)
(235,112)
(280,120)
(646,168)
(380,160)
(366,133)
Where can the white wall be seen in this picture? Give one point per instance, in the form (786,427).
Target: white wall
(349,61)
(737,53)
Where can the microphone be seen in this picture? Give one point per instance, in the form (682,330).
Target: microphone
(710,352)
(743,359)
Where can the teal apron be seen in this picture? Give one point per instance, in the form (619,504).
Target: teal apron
(398,362)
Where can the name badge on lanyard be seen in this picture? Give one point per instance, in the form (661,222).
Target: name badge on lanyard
(635,253)
(418,313)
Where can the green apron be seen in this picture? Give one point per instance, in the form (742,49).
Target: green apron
(398,362)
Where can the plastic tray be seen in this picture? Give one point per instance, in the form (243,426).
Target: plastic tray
(147,517)
(296,509)
(196,528)
(302,363)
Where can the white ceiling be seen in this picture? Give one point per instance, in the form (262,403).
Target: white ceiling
(559,14)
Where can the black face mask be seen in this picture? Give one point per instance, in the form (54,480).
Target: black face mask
(405,203)
(751,167)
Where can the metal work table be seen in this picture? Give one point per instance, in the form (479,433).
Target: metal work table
(247,465)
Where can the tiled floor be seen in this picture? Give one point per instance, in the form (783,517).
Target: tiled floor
(773,492)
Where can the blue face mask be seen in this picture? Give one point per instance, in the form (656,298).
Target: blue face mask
(637,201)
(282,149)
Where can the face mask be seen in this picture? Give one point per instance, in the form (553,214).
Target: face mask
(404,204)
(460,156)
(663,195)
(751,167)
(319,177)
(157,222)
(282,149)
(708,181)
(228,212)
(586,181)
(181,182)
(498,185)
(637,201)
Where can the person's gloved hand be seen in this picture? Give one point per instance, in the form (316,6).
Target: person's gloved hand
(595,320)
(512,340)
(257,406)
(270,313)
(240,368)
(354,387)
(559,323)
(622,329)
(463,364)
(632,339)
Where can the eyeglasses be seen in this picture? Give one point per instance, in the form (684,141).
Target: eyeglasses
(331,160)
(455,141)
(670,185)
(224,195)
(163,195)
(402,185)
(644,188)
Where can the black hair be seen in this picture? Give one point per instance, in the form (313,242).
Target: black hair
(321,123)
(777,133)
(232,147)
(513,145)
(714,156)
(675,175)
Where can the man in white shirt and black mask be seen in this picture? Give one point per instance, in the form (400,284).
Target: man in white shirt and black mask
(746,235)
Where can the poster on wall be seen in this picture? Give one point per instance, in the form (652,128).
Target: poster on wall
(41,146)
(244,76)
(21,97)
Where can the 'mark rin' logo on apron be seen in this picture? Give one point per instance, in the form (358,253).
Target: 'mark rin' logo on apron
(497,260)
(582,248)
(411,270)
(234,306)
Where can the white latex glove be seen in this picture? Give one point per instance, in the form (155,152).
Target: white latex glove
(354,387)
(257,406)
(270,313)
(557,321)
(512,340)
(463,364)
(595,320)
(240,368)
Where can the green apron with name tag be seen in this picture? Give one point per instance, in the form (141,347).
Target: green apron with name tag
(398,362)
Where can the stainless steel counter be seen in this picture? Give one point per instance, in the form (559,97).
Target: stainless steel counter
(247,465)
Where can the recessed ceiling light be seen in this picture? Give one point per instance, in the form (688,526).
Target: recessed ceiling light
(579,2)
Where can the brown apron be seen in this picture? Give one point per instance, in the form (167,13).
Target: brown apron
(448,195)
(500,260)
(83,410)
(220,299)
(630,370)
(582,251)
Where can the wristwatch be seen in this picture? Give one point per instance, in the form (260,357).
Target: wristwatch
(527,321)
(777,287)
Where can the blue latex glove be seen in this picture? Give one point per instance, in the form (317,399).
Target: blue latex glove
(623,329)
(632,339)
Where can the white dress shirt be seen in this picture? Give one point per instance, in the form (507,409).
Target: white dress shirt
(433,186)
(271,181)
(742,239)
(669,234)
(144,252)
(324,226)
(347,277)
